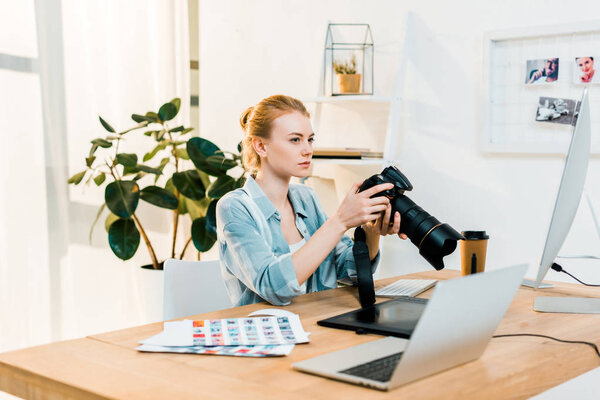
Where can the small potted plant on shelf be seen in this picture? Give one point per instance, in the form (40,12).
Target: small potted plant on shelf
(192,191)
(347,78)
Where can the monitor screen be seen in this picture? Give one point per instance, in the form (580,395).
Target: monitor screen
(570,189)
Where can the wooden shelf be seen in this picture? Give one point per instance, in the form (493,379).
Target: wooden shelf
(349,98)
(349,161)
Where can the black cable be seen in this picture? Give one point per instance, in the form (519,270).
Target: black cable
(593,345)
(558,268)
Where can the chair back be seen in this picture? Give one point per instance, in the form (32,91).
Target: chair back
(193,287)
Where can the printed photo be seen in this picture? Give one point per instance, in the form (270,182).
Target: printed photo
(540,71)
(584,71)
(557,111)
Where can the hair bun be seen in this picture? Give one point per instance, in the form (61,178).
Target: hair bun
(244,118)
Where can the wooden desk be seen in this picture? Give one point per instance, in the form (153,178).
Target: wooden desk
(107,366)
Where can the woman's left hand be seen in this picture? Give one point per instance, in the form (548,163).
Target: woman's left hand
(384,226)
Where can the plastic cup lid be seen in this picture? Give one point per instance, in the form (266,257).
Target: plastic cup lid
(475,235)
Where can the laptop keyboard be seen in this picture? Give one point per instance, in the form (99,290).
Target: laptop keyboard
(380,370)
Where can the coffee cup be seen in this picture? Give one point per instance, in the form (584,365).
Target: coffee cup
(472,251)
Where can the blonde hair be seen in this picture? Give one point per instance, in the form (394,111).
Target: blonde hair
(256,122)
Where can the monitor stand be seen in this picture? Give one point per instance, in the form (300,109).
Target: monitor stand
(573,305)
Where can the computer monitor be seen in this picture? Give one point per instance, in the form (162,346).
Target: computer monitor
(570,189)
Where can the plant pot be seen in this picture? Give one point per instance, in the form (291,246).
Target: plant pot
(348,83)
(150,266)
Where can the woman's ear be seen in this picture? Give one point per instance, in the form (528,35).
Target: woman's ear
(259,146)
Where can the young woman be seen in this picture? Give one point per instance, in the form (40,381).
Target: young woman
(275,241)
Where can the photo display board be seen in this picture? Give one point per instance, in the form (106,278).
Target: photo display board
(533,78)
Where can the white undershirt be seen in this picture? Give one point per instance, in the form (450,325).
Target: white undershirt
(294,248)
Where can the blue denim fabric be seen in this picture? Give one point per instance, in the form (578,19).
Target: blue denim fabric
(256,263)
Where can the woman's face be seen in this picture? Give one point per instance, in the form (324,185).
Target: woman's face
(288,151)
(585,64)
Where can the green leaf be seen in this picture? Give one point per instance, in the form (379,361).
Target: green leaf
(211,218)
(75,179)
(189,184)
(177,129)
(150,133)
(100,178)
(106,125)
(93,149)
(200,150)
(153,116)
(221,162)
(182,153)
(159,197)
(124,238)
(140,175)
(110,218)
(152,153)
(221,186)
(177,103)
(122,197)
(160,135)
(205,178)
(102,207)
(163,163)
(167,111)
(148,169)
(240,181)
(186,130)
(89,161)
(130,170)
(141,124)
(169,186)
(149,117)
(202,239)
(127,159)
(102,143)
(139,118)
(197,208)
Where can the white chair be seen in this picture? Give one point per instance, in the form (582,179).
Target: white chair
(193,287)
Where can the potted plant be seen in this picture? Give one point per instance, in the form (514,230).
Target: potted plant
(185,189)
(347,78)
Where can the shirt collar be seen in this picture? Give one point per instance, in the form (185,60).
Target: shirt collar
(263,202)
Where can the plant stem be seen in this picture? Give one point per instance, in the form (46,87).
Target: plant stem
(177,194)
(185,248)
(150,248)
(175,224)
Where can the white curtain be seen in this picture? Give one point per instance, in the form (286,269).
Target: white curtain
(76,60)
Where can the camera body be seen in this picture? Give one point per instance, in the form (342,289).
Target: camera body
(434,239)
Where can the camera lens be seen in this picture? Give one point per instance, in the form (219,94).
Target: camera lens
(434,239)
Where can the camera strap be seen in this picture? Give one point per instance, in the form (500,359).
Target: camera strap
(366,289)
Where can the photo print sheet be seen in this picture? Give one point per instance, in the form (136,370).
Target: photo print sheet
(557,110)
(541,71)
(238,351)
(266,330)
(585,70)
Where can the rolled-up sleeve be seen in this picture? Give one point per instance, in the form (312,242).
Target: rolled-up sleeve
(344,258)
(250,258)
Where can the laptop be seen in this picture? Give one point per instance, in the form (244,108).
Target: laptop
(456,326)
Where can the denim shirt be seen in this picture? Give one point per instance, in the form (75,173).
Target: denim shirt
(256,263)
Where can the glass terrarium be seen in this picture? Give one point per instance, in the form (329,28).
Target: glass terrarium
(348,60)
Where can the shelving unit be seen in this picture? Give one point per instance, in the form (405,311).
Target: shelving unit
(393,102)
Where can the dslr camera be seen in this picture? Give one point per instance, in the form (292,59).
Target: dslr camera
(433,239)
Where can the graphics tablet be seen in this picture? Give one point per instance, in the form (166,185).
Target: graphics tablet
(397,317)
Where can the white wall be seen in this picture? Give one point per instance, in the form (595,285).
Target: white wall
(249,50)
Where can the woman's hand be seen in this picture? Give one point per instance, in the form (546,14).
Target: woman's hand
(359,208)
(383,225)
